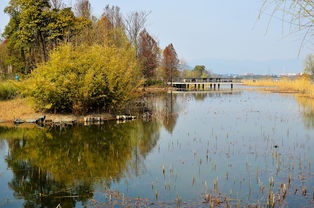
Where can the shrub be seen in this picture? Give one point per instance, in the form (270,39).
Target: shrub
(153,83)
(7,90)
(84,78)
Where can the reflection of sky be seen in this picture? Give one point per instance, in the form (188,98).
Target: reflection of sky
(6,195)
(239,132)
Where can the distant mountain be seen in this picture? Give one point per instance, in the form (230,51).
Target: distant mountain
(185,67)
(256,67)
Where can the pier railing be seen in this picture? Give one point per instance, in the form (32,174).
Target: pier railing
(209,80)
(203,83)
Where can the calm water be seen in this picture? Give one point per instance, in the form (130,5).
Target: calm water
(229,146)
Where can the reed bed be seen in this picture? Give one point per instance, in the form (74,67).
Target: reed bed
(302,85)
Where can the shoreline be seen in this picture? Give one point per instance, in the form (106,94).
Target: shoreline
(21,108)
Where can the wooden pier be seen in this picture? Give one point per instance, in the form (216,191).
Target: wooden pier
(204,83)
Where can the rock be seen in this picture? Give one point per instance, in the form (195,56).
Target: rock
(124,117)
(41,119)
(30,121)
(18,121)
(68,121)
(92,119)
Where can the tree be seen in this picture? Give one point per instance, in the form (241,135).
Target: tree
(169,63)
(134,24)
(113,15)
(83,9)
(34,29)
(297,14)
(56,4)
(199,70)
(3,57)
(148,53)
(309,64)
(26,30)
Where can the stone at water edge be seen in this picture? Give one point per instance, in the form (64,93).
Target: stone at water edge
(18,121)
(41,119)
(30,121)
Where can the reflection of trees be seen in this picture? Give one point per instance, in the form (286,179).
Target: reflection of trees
(170,113)
(164,108)
(49,161)
(39,189)
(307,105)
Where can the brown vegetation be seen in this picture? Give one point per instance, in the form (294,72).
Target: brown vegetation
(302,85)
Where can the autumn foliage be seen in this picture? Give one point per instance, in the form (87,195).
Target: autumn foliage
(84,78)
(169,63)
(148,54)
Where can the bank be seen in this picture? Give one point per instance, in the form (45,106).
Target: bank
(22,109)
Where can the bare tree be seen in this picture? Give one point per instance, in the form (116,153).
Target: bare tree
(135,22)
(56,4)
(83,9)
(309,64)
(113,14)
(295,15)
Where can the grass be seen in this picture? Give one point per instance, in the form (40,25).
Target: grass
(7,90)
(302,85)
(16,108)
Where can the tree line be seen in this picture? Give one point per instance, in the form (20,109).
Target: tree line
(75,61)
(37,27)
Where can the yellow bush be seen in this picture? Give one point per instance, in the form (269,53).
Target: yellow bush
(84,78)
(7,90)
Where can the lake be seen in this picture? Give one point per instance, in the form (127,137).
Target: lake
(201,149)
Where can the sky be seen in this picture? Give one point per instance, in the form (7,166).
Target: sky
(225,36)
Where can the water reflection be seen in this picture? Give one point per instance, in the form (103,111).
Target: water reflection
(307,106)
(193,140)
(51,163)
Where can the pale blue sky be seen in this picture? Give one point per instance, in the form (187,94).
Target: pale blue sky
(205,30)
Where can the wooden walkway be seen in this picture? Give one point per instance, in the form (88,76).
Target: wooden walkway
(204,83)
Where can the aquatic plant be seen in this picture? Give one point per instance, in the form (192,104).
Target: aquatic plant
(302,84)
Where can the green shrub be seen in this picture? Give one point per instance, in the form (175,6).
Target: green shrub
(84,78)
(7,90)
(153,83)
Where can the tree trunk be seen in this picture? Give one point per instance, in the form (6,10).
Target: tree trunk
(44,48)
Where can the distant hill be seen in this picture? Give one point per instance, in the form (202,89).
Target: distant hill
(256,67)
(185,67)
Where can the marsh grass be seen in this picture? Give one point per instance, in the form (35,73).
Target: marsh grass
(7,90)
(302,85)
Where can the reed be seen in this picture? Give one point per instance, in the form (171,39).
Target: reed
(302,84)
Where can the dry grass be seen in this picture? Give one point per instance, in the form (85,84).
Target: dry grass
(17,108)
(302,85)
(22,108)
